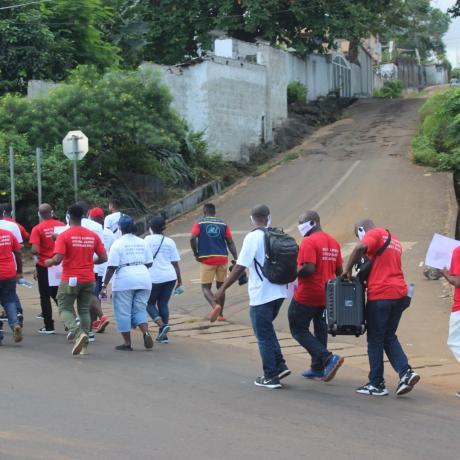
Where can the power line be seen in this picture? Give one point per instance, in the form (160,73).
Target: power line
(22,4)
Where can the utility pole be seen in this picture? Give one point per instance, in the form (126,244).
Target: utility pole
(13,189)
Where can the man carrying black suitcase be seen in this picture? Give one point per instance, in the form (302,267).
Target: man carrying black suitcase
(386,301)
(319,260)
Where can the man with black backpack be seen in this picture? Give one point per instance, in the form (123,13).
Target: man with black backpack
(386,300)
(270,255)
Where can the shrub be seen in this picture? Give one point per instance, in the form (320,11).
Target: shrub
(391,89)
(439,134)
(296,92)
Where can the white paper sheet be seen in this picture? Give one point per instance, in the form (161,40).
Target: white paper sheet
(54,275)
(59,230)
(440,251)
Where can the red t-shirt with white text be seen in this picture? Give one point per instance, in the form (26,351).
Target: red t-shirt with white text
(78,245)
(455,271)
(386,280)
(8,244)
(322,250)
(41,236)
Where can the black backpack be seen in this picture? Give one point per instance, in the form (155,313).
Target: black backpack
(280,264)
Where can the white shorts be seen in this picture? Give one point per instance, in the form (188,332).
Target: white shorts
(454,334)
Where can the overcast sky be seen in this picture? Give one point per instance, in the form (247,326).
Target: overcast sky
(452,37)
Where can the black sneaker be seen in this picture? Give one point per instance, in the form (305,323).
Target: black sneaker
(370,389)
(272,383)
(407,382)
(283,372)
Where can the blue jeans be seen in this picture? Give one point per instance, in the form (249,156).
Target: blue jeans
(157,306)
(129,308)
(383,318)
(300,317)
(8,301)
(262,317)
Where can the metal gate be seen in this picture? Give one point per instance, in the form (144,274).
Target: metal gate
(341,76)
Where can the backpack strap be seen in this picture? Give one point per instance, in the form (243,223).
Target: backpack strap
(159,247)
(257,265)
(385,245)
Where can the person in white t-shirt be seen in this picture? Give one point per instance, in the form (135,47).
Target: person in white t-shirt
(99,320)
(128,263)
(265,300)
(165,275)
(111,221)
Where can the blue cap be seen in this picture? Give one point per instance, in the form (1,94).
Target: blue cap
(126,223)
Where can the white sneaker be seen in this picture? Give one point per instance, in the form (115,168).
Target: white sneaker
(45,331)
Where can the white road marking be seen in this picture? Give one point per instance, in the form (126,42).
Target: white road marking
(315,207)
(331,191)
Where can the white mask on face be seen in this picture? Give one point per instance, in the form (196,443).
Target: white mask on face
(306,227)
(361,233)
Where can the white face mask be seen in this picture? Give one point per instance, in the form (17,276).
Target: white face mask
(361,233)
(306,227)
(269,220)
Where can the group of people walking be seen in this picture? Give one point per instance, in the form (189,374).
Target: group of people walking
(95,250)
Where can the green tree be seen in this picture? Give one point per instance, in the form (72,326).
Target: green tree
(45,41)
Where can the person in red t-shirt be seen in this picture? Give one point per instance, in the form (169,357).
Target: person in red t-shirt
(211,237)
(10,271)
(75,248)
(453,277)
(319,260)
(43,248)
(386,301)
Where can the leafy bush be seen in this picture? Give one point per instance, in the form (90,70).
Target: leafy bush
(391,89)
(437,142)
(131,128)
(296,92)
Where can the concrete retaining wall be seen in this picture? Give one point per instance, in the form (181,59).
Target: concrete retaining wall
(185,204)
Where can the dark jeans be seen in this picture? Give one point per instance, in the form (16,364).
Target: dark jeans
(98,288)
(8,301)
(262,317)
(47,293)
(157,306)
(300,317)
(382,318)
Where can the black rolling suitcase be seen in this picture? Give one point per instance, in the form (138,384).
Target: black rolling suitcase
(345,307)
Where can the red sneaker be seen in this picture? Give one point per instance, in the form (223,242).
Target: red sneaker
(221,318)
(95,324)
(103,323)
(215,313)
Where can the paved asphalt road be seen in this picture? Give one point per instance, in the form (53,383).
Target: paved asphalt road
(189,400)
(197,400)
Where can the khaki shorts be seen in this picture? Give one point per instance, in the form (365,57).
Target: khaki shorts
(210,272)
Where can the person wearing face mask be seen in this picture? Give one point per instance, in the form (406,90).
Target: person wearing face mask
(164,273)
(319,260)
(210,242)
(386,301)
(265,299)
(42,248)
